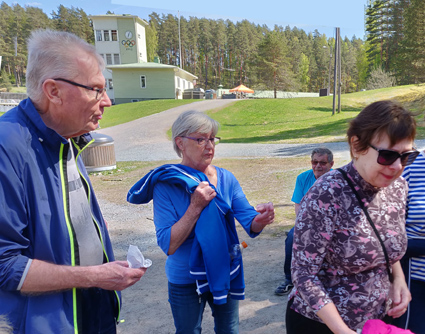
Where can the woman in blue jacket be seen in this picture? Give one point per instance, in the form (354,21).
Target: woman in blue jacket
(195,204)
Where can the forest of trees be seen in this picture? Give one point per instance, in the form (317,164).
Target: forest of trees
(228,53)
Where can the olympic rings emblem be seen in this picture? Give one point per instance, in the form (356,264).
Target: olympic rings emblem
(128,43)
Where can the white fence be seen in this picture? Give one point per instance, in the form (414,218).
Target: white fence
(7,104)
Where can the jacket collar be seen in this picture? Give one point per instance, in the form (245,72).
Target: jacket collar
(46,134)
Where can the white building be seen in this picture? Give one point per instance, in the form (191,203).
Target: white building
(121,40)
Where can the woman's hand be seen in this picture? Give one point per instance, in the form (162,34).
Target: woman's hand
(265,217)
(331,317)
(202,195)
(181,230)
(400,296)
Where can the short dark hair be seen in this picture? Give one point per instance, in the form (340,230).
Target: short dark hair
(323,151)
(379,118)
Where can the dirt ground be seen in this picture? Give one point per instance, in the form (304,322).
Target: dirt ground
(145,305)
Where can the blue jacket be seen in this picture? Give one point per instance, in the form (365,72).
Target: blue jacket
(35,223)
(209,261)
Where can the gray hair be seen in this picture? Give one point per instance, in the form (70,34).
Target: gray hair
(323,151)
(52,54)
(189,122)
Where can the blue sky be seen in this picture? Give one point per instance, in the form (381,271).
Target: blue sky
(308,15)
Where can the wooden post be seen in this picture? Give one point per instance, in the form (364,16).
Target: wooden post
(339,71)
(335,68)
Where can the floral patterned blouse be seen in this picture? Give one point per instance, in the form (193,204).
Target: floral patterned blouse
(336,254)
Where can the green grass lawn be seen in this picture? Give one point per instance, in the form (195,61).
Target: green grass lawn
(299,120)
(306,120)
(123,113)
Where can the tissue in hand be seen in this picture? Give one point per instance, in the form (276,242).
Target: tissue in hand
(135,258)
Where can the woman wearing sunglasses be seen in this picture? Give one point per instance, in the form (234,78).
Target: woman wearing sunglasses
(350,235)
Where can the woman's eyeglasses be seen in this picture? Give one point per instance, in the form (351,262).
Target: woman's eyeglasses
(203,141)
(388,157)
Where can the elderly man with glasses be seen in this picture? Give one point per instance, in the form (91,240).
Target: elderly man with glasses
(57,268)
(321,163)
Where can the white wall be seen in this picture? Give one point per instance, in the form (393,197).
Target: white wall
(141,43)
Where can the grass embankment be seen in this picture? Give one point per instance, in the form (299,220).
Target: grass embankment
(123,113)
(306,120)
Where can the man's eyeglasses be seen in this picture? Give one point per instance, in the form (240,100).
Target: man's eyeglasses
(321,163)
(99,91)
(203,141)
(388,157)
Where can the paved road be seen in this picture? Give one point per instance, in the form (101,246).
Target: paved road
(145,139)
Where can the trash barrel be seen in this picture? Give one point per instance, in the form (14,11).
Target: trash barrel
(100,155)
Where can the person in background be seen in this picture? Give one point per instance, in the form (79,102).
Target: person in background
(57,268)
(321,163)
(195,205)
(413,262)
(350,231)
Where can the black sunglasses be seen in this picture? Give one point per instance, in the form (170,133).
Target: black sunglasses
(388,157)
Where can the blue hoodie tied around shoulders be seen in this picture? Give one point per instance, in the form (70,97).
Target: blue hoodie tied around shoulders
(210,263)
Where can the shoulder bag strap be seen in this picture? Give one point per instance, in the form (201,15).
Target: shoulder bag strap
(350,183)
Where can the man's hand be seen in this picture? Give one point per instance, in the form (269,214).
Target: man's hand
(47,277)
(117,276)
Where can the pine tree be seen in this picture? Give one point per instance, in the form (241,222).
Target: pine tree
(273,65)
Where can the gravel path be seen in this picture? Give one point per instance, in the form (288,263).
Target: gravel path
(145,139)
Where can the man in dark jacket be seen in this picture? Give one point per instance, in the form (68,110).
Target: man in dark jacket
(57,268)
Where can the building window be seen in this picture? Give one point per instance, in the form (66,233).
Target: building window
(106,35)
(110,84)
(114,35)
(98,35)
(143,81)
(108,59)
(116,59)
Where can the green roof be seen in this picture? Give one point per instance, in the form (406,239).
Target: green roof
(140,65)
(149,65)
